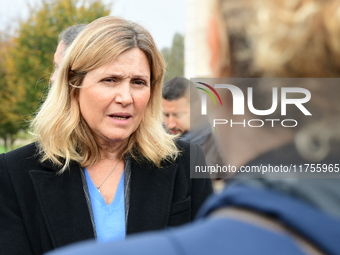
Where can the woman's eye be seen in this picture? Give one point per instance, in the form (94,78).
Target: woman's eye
(139,82)
(110,80)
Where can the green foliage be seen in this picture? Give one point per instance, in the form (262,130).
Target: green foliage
(26,58)
(9,119)
(174,58)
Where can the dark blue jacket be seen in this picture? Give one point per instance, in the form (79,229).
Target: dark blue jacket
(211,235)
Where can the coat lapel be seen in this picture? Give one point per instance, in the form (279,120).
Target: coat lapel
(65,210)
(151,192)
(63,204)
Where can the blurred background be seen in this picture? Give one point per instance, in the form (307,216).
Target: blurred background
(29,32)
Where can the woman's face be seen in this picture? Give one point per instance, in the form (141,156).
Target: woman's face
(113,97)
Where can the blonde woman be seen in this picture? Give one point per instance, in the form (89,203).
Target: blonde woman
(103,166)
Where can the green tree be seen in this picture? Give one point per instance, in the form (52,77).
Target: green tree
(28,60)
(9,119)
(174,58)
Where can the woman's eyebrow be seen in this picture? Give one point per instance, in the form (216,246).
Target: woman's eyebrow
(125,76)
(141,76)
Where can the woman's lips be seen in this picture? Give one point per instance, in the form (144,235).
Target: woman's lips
(121,117)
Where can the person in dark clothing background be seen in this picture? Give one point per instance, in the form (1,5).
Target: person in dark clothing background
(179,119)
(65,38)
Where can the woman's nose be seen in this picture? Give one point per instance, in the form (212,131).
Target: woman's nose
(123,95)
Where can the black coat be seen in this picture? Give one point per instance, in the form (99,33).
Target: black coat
(41,210)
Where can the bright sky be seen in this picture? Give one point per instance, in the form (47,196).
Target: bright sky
(163,18)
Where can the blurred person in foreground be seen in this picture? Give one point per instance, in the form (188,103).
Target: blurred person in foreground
(102,166)
(65,38)
(266,215)
(177,101)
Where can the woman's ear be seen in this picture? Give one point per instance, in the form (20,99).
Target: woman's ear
(219,59)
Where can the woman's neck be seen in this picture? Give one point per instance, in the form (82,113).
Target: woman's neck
(112,151)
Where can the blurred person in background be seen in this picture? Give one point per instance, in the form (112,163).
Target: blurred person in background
(179,120)
(65,38)
(176,107)
(296,215)
(102,166)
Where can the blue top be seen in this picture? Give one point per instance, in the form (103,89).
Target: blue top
(109,220)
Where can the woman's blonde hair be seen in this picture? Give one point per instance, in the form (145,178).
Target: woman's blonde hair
(63,135)
(288,39)
(280,38)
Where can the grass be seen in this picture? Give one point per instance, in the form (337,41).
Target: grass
(22,138)
(2,149)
